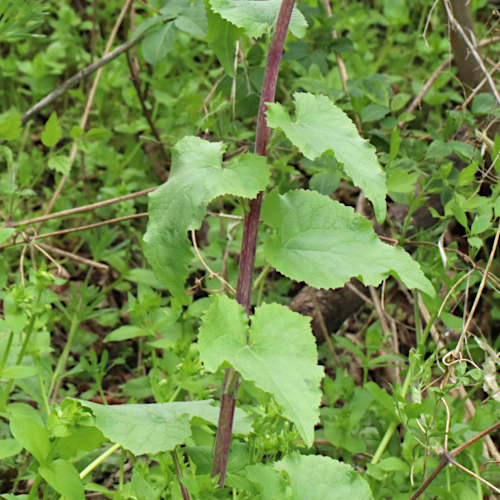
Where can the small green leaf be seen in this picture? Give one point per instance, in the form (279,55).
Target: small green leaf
(321,126)
(6,233)
(468,174)
(10,129)
(277,352)
(126,332)
(481,224)
(402,181)
(156,428)
(18,371)
(221,37)
(76,132)
(399,101)
(59,164)
(325,244)
(64,478)
(325,182)
(373,112)
(31,435)
(393,464)
(9,448)
(52,133)
(483,104)
(176,207)
(158,42)
(438,149)
(98,134)
(257,17)
(193,19)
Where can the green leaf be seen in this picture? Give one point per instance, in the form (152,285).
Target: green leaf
(98,134)
(9,448)
(143,490)
(257,17)
(126,332)
(76,132)
(402,181)
(156,428)
(393,464)
(6,233)
(321,126)
(221,37)
(17,371)
(10,129)
(193,19)
(325,182)
(176,207)
(373,112)
(309,476)
(158,42)
(438,149)
(325,244)
(52,133)
(483,104)
(64,478)
(277,352)
(31,436)
(399,101)
(59,164)
(468,174)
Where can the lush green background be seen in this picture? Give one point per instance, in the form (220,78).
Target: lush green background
(114,332)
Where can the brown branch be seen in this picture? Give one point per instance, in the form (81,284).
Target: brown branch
(78,210)
(77,258)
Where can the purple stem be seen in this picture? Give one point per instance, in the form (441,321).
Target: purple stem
(249,243)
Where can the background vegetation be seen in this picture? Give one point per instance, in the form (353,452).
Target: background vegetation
(408,378)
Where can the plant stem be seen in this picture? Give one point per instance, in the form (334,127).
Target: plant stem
(249,243)
(29,331)
(61,365)
(178,472)
(99,460)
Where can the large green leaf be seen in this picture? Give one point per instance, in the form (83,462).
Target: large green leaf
(179,205)
(325,244)
(277,352)
(256,17)
(64,478)
(155,428)
(312,476)
(321,126)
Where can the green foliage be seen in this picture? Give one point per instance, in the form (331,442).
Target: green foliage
(157,428)
(309,477)
(86,318)
(176,207)
(328,250)
(319,127)
(256,18)
(277,352)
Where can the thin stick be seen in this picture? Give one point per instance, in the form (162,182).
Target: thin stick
(458,348)
(85,208)
(77,258)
